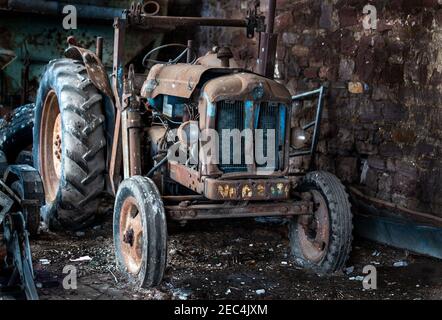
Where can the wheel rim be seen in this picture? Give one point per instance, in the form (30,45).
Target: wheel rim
(50,146)
(131,235)
(314,231)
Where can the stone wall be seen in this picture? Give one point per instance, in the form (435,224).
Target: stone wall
(383,117)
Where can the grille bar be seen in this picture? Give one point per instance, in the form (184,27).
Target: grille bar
(230,116)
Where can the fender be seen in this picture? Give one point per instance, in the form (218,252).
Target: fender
(99,77)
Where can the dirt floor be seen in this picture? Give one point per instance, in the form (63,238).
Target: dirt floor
(241,259)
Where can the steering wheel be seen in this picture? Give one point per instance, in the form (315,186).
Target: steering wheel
(174,61)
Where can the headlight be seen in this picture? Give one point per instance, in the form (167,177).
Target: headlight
(300,138)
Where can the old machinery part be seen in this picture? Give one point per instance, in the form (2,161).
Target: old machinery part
(96,71)
(26,183)
(156,167)
(268,44)
(99,48)
(16,210)
(151,8)
(300,138)
(140,232)
(247,189)
(255,21)
(17,242)
(183,54)
(70,144)
(322,242)
(225,54)
(186,211)
(299,133)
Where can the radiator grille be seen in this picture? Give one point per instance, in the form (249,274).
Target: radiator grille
(231,115)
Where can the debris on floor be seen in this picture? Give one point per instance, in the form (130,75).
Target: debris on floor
(215,261)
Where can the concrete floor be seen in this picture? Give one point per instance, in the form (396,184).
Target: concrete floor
(240,259)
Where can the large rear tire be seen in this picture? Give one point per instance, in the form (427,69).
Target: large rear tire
(322,242)
(69,144)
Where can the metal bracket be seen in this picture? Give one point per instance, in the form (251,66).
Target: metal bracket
(316,123)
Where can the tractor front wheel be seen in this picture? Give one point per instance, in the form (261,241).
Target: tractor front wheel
(140,232)
(322,242)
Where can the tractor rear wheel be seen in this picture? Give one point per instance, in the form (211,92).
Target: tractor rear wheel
(140,232)
(69,144)
(322,242)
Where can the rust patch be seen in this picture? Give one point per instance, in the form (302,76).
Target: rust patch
(247,189)
(95,68)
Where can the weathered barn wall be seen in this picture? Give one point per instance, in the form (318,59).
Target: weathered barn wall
(394,125)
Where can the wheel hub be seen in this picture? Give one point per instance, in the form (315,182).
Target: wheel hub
(56,137)
(132,240)
(50,151)
(129,237)
(314,231)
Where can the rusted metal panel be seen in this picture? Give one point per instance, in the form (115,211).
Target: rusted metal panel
(185,176)
(149,21)
(178,80)
(243,86)
(250,189)
(95,68)
(243,210)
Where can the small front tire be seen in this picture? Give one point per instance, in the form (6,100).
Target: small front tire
(140,232)
(322,242)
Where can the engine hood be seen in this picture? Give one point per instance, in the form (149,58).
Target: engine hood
(181,80)
(245,86)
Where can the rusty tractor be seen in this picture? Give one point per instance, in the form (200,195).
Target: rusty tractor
(143,137)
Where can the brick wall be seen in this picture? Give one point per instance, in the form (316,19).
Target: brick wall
(384,105)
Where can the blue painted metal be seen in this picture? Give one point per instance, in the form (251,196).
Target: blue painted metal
(257,111)
(282,123)
(248,106)
(211,107)
(400,233)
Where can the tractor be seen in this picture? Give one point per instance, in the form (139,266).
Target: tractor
(165,144)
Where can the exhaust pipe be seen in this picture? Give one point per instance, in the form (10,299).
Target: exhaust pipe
(151,8)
